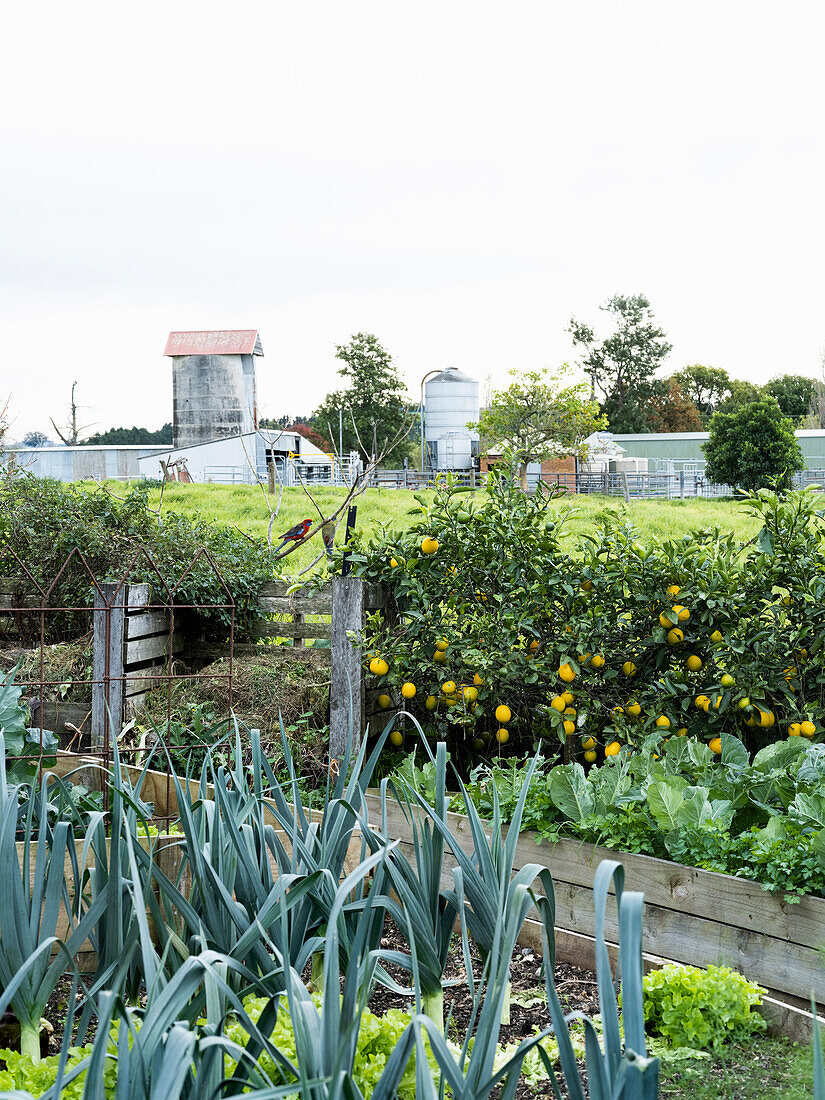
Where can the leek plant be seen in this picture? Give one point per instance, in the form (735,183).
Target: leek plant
(472,1075)
(622,1070)
(420,907)
(485,887)
(34,890)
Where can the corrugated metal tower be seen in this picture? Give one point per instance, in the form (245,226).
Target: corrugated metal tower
(213,384)
(451,401)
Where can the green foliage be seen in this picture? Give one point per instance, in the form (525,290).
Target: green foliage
(43,522)
(20,741)
(705,386)
(375,405)
(702,1009)
(131,436)
(753,447)
(741,394)
(794,393)
(622,364)
(537,417)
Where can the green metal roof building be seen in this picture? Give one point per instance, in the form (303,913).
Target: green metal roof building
(678,449)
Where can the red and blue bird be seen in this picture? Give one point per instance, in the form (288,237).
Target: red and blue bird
(295,534)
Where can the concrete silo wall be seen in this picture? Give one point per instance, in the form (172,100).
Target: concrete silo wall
(210,398)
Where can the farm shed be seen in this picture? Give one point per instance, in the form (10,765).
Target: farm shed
(77,463)
(681,448)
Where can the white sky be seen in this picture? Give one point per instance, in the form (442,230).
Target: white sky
(457,177)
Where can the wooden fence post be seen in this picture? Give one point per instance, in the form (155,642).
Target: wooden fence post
(107,663)
(346,687)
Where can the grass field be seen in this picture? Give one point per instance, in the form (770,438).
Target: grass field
(243,506)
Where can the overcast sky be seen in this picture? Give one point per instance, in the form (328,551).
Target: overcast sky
(456,177)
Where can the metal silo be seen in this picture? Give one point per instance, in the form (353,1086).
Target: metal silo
(450,403)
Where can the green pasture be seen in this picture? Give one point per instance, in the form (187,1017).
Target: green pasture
(245,507)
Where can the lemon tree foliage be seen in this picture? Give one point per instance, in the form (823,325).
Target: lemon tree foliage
(538,417)
(598,645)
(753,446)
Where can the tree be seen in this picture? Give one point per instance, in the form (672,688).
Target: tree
(538,417)
(741,394)
(374,408)
(300,427)
(35,439)
(795,394)
(670,410)
(131,436)
(622,365)
(753,447)
(705,386)
(72,430)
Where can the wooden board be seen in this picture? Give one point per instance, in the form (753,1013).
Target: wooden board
(147,649)
(266,628)
(285,605)
(146,623)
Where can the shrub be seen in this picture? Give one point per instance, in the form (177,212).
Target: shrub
(753,447)
(43,521)
(701,1008)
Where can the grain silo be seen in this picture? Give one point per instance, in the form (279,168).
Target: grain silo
(450,402)
(213,384)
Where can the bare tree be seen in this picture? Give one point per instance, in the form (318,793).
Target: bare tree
(72,429)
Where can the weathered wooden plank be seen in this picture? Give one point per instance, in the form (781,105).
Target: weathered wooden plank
(280,588)
(146,649)
(346,691)
(267,628)
(13,602)
(670,885)
(107,664)
(285,605)
(687,889)
(145,623)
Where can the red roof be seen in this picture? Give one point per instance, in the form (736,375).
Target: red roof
(237,341)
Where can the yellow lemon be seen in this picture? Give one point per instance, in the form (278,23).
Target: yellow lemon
(439,656)
(597,661)
(586,585)
(569,728)
(566,673)
(534,645)
(429,545)
(503,714)
(794,730)
(681,732)
(431,702)
(693,663)
(590,756)
(663,722)
(682,613)
(766,718)
(715,745)
(441,645)
(612,749)
(716,636)
(408,690)
(557,702)
(589,743)
(502,736)
(384,702)
(568,698)
(675,636)
(397,737)
(570,712)
(702,701)
(470,694)
(666,619)
(727,681)
(807,729)
(393,563)
(673,590)
(618,710)
(744,702)
(634,709)
(477,680)
(448,687)
(629,669)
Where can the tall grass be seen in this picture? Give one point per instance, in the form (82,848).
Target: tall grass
(243,506)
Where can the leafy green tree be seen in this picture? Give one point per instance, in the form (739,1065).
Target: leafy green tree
(131,436)
(537,417)
(622,365)
(741,393)
(705,386)
(375,408)
(753,447)
(35,439)
(795,394)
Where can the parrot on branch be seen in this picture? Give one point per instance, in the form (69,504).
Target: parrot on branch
(294,534)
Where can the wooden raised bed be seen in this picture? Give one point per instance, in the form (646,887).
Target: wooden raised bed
(691,916)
